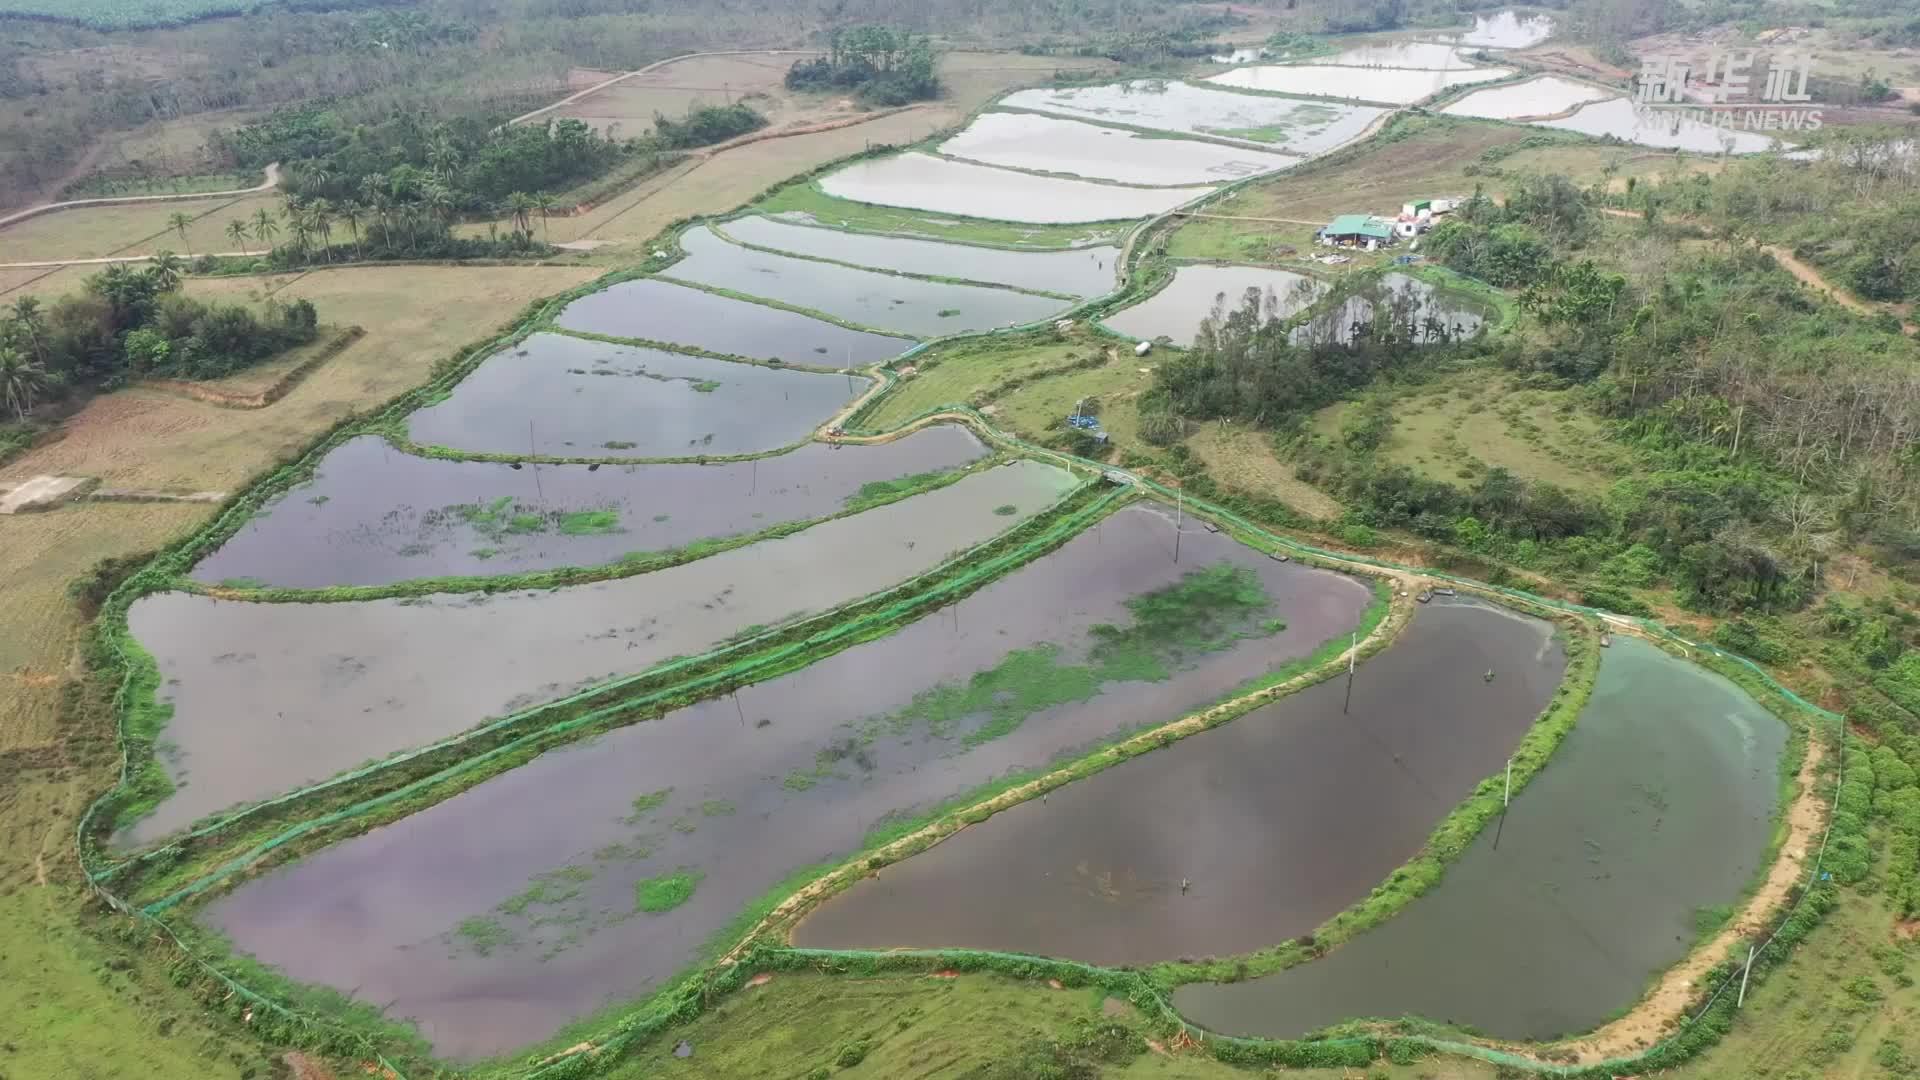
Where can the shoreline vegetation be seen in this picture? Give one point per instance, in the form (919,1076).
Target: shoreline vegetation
(182,874)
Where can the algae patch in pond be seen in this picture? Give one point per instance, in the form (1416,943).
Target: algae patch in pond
(666,892)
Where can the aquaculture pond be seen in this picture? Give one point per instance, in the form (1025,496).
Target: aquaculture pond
(868,297)
(1403,54)
(1391,85)
(268,696)
(655,310)
(925,182)
(1082,272)
(1508,30)
(1545,96)
(1050,144)
(499,915)
(1307,127)
(559,396)
(1176,310)
(1667,129)
(374,515)
(1412,303)
(1658,804)
(1236,838)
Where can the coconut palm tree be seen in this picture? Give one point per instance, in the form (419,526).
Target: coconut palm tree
(323,224)
(352,213)
(237,232)
(264,230)
(180,222)
(521,206)
(165,269)
(21,380)
(31,324)
(438,199)
(442,155)
(543,202)
(300,226)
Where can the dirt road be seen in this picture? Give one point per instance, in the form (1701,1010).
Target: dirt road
(272,181)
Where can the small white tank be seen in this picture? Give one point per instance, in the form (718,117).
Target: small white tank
(1143,348)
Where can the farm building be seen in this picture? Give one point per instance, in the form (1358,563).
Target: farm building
(1357,230)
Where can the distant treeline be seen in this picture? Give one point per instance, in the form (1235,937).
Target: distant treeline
(879,64)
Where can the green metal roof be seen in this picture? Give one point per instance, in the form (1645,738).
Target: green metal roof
(1358,225)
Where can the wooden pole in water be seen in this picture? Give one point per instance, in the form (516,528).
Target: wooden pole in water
(1742,1000)
(737,708)
(1508,797)
(533,452)
(1179,519)
(1353,653)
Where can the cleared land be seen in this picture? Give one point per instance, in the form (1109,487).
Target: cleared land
(1455,428)
(627,109)
(967,373)
(413,316)
(1243,460)
(1046,403)
(138,229)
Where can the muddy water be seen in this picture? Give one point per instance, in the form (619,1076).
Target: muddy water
(1049,144)
(1535,97)
(1277,820)
(1394,86)
(1508,30)
(1658,803)
(374,515)
(1082,272)
(887,301)
(943,186)
(1411,298)
(569,397)
(1175,311)
(655,310)
(1426,55)
(792,775)
(269,696)
(1302,126)
(1670,130)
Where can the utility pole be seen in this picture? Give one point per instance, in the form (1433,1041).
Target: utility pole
(1507,799)
(1742,1000)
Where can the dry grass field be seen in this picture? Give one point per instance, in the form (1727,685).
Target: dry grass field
(1243,460)
(412,315)
(627,109)
(136,229)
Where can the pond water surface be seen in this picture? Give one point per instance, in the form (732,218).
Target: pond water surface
(1050,144)
(1079,272)
(1394,86)
(1671,130)
(1276,821)
(1402,54)
(655,310)
(868,297)
(1658,804)
(925,182)
(1535,97)
(374,515)
(1408,300)
(561,396)
(1306,127)
(270,696)
(741,792)
(1508,30)
(1175,311)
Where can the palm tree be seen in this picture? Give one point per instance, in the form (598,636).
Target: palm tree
(521,206)
(237,232)
(543,202)
(351,213)
(300,224)
(31,324)
(323,224)
(442,155)
(264,230)
(180,222)
(21,380)
(165,268)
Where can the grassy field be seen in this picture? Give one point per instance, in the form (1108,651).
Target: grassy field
(412,315)
(1456,427)
(982,1027)
(960,373)
(139,229)
(1244,460)
(1042,404)
(628,108)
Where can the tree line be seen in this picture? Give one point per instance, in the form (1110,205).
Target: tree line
(128,322)
(879,64)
